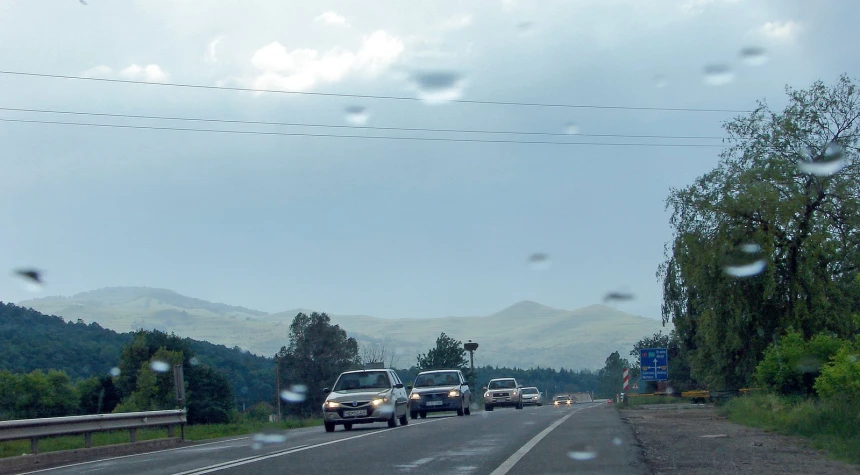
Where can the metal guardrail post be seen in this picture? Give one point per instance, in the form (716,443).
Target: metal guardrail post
(171,430)
(88,439)
(34,445)
(132,435)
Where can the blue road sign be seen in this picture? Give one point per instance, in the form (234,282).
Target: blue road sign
(654,363)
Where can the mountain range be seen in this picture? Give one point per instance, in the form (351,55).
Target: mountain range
(526,334)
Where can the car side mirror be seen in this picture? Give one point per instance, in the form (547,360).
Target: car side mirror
(519,386)
(326,390)
(399,385)
(409,387)
(484,388)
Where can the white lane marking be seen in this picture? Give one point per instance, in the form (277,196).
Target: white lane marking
(240,462)
(132,455)
(231,462)
(508,464)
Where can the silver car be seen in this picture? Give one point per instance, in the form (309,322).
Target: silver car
(531,395)
(502,392)
(363,397)
(440,390)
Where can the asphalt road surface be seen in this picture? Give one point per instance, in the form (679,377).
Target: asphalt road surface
(584,438)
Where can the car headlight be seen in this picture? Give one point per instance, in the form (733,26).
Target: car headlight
(487,394)
(415,396)
(332,404)
(379,401)
(454,393)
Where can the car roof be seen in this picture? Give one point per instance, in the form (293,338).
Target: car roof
(439,371)
(501,379)
(365,371)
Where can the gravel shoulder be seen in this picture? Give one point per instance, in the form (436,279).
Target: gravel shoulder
(695,439)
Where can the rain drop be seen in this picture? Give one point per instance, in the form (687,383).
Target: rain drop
(539,261)
(718,75)
(660,81)
(296,393)
(830,162)
(617,441)
(32,279)
(753,56)
(357,115)
(270,438)
(115,372)
(582,455)
(525,27)
(194,361)
(746,261)
(571,129)
(159,366)
(437,87)
(618,296)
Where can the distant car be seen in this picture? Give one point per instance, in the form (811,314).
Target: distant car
(364,397)
(562,401)
(502,392)
(440,390)
(531,395)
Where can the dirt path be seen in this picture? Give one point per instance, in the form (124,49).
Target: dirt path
(694,439)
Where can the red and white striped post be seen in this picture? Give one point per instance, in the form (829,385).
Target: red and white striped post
(626,379)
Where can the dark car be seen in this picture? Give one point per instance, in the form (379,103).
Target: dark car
(438,391)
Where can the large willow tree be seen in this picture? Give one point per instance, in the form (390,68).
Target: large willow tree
(769,239)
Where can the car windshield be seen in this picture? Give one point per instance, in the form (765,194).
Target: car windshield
(437,379)
(502,384)
(530,391)
(363,380)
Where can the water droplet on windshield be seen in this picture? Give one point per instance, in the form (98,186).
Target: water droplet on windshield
(660,81)
(809,364)
(115,372)
(357,115)
(753,56)
(571,128)
(618,297)
(194,361)
(746,261)
(436,87)
(159,366)
(718,75)
(525,27)
(32,279)
(582,454)
(539,261)
(261,439)
(617,441)
(830,162)
(296,393)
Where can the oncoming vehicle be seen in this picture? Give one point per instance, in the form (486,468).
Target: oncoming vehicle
(440,390)
(502,392)
(363,397)
(531,395)
(562,401)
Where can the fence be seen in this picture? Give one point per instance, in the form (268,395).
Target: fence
(34,429)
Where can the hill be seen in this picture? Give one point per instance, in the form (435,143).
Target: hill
(523,335)
(32,340)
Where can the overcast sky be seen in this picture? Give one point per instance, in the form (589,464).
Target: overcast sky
(390,228)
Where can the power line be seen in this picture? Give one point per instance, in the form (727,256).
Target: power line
(371,96)
(355,127)
(374,137)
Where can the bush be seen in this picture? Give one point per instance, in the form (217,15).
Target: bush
(840,378)
(791,365)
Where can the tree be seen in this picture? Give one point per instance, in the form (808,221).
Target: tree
(610,379)
(791,364)
(770,239)
(98,395)
(448,354)
(318,352)
(378,352)
(210,397)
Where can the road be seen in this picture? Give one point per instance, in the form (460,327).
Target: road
(584,438)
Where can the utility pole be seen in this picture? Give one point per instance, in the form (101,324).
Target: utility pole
(278,385)
(471,347)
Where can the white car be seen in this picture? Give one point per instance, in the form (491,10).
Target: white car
(364,397)
(531,395)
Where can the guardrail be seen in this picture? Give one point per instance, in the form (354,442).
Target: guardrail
(34,429)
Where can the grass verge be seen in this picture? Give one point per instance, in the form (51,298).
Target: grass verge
(834,427)
(192,433)
(633,401)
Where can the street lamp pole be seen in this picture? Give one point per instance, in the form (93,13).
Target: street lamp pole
(471,347)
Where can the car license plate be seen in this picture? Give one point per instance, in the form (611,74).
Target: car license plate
(434,403)
(359,413)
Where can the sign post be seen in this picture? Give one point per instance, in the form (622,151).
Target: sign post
(654,363)
(626,376)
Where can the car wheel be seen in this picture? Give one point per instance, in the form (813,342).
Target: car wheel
(461,411)
(413,414)
(404,420)
(488,408)
(392,422)
(520,405)
(423,415)
(468,410)
(347,426)
(329,426)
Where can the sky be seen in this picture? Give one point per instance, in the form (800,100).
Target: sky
(387,227)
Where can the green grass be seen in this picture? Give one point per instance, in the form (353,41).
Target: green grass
(192,433)
(648,400)
(834,427)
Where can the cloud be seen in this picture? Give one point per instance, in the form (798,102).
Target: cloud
(303,68)
(150,72)
(780,30)
(212,52)
(457,22)
(332,18)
